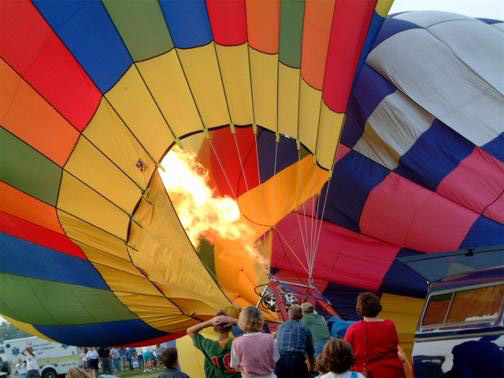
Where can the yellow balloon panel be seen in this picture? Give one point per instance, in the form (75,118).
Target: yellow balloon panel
(203,75)
(264,72)
(309,115)
(91,166)
(165,77)
(288,100)
(330,127)
(83,202)
(131,99)
(111,136)
(234,67)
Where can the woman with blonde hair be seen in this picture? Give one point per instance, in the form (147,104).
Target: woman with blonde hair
(254,353)
(77,373)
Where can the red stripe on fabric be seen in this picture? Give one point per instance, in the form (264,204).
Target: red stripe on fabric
(401,212)
(23,229)
(37,54)
(477,184)
(229,21)
(343,256)
(341,152)
(227,152)
(350,26)
(155,341)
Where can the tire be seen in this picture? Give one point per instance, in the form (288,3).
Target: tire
(49,373)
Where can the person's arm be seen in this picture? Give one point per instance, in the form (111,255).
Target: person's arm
(235,360)
(217,320)
(408,369)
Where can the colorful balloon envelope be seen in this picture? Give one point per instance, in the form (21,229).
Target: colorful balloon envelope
(94,94)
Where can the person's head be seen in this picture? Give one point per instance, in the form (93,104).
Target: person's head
(368,305)
(29,349)
(169,357)
(307,308)
(77,373)
(251,319)
(336,357)
(295,312)
(223,329)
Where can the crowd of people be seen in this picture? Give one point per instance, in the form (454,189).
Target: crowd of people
(302,347)
(111,361)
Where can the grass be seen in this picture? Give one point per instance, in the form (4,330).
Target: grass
(139,373)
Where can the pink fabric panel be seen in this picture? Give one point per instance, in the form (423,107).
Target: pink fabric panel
(401,212)
(344,257)
(477,184)
(341,152)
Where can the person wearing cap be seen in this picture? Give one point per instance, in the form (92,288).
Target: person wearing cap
(317,326)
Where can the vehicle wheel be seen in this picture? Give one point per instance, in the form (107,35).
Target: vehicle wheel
(49,373)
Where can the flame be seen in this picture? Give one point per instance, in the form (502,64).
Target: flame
(201,212)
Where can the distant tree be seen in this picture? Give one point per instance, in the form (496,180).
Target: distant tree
(8,332)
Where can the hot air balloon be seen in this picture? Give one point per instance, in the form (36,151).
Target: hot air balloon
(95,95)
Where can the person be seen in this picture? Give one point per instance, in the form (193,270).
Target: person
(254,353)
(21,368)
(317,326)
(374,341)
(129,358)
(77,373)
(336,360)
(295,343)
(92,361)
(147,357)
(83,357)
(122,354)
(31,363)
(217,353)
(106,363)
(116,359)
(169,359)
(141,362)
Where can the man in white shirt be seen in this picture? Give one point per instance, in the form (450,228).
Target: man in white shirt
(31,363)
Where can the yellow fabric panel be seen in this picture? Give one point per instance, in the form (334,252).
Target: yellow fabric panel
(234,66)
(288,100)
(91,166)
(136,107)
(98,256)
(202,72)
(27,328)
(191,306)
(150,306)
(191,360)
(329,132)
(405,312)
(309,115)
(167,256)
(91,236)
(383,7)
(264,72)
(112,137)
(166,80)
(239,272)
(83,202)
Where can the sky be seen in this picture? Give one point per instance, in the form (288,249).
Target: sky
(473,8)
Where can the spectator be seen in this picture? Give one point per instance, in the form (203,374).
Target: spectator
(77,373)
(84,358)
(169,359)
(295,343)
(317,326)
(217,353)
(374,341)
(31,363)
(116,359)
(92,361)
(129,358)
(106,363)
(148,357)
(122,354)
(336,360)
(255,352)
(21,368)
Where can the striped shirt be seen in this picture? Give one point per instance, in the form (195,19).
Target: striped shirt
(255,354)
(292,336)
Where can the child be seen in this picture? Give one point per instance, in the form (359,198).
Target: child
(336,359)
(21,368)
(217,353)
(169,358)
(254,353)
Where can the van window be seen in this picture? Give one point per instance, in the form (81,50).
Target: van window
(436,309)
(478,304)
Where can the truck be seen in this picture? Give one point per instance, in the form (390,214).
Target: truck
(53,359)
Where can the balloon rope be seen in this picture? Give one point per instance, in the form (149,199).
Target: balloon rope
(241,163)
(292,251)
(304,213)
(321,220)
